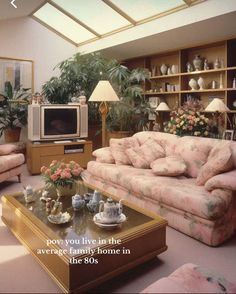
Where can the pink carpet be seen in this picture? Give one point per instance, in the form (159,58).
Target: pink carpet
(20,272)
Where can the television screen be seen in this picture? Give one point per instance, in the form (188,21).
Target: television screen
(59,121)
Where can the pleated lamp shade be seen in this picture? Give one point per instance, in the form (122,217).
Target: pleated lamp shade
(217,105)
(162,107)
(103,92)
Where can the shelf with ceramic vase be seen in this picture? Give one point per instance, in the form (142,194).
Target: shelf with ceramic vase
(204,90)
(200,72)
(162,93)
(164,76)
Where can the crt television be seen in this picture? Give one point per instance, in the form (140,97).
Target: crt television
(50,121)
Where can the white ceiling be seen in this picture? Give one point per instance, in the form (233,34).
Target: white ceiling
(202,32)
(210,30)
(24,8)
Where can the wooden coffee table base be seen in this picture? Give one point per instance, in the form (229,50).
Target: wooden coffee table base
(144,242)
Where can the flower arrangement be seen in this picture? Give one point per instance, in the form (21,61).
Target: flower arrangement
(61,174)
(187,120)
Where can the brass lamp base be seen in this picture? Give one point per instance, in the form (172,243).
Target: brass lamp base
(103,109)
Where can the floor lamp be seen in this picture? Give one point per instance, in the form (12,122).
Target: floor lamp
(160,108)
(103,93)
(217,106)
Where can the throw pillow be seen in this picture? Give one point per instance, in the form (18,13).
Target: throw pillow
(118,147)
(104,155)
(222,181)
(141,157)
(219,161)
(194,151)
(6,149)
(169,166)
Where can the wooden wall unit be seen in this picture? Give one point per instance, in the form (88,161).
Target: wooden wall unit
(225,51)
(44,153)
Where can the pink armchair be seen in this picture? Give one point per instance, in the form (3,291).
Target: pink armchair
(10,162)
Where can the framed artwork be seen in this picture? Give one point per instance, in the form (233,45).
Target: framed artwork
(228,135)
(154,101)
(19,72)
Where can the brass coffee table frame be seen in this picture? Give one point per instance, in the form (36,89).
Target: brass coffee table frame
(145,241)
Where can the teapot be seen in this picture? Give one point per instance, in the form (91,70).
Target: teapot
(29,194)
(77,202)
(110,212)
(93,204)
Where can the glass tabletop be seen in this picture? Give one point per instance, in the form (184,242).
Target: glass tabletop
(81,230)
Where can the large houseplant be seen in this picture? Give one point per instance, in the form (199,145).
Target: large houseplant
(130,114)
(13,112)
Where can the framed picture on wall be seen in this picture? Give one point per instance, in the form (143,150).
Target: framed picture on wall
(19,72)
(154,101)
(228,135)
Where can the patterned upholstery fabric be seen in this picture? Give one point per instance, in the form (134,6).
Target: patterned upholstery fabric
(191,278)
(169,166)
(118,147)
(211,232)
(219,160)
(171,191)
(143,156)
(7,149)
(194,151)
(167,141)
(8,162)
(208,216)
(10,173)
(104,155)
(224,181)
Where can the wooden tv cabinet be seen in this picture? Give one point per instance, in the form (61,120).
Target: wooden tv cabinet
(39,154)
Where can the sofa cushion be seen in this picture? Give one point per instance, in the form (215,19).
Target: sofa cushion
(169,166)
(142,156)
(104,155)
(118,147)
(179,192)
(167,141)
(219,161)
(8,162)
(194,151)
(6,149)
(191,278)
(224,181)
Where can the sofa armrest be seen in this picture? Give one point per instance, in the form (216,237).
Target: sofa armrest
(104,155)
(6,149)
(223,181)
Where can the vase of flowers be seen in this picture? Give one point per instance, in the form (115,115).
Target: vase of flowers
(188,121)
(62,176)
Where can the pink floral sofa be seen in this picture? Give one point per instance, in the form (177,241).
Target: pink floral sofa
(10,162)
(190,181)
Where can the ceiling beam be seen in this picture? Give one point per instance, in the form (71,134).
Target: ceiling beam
(38,7)
(74,18)
(120,11)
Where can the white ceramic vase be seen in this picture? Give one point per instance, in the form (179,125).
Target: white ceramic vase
(174,69)
(201,83)
(163,69)
(193,84)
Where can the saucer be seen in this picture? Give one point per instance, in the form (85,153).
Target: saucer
(100,222)
(61,218)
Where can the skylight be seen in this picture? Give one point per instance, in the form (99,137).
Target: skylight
(81,21)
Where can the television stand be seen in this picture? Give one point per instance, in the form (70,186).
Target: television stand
(43,153)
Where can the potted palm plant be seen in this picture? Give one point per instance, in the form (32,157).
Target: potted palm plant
(130,114)
(13,112)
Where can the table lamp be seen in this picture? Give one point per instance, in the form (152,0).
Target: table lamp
(161,108)
(217,106)
(103,93)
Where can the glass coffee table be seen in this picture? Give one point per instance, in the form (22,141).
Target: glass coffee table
(79,255)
